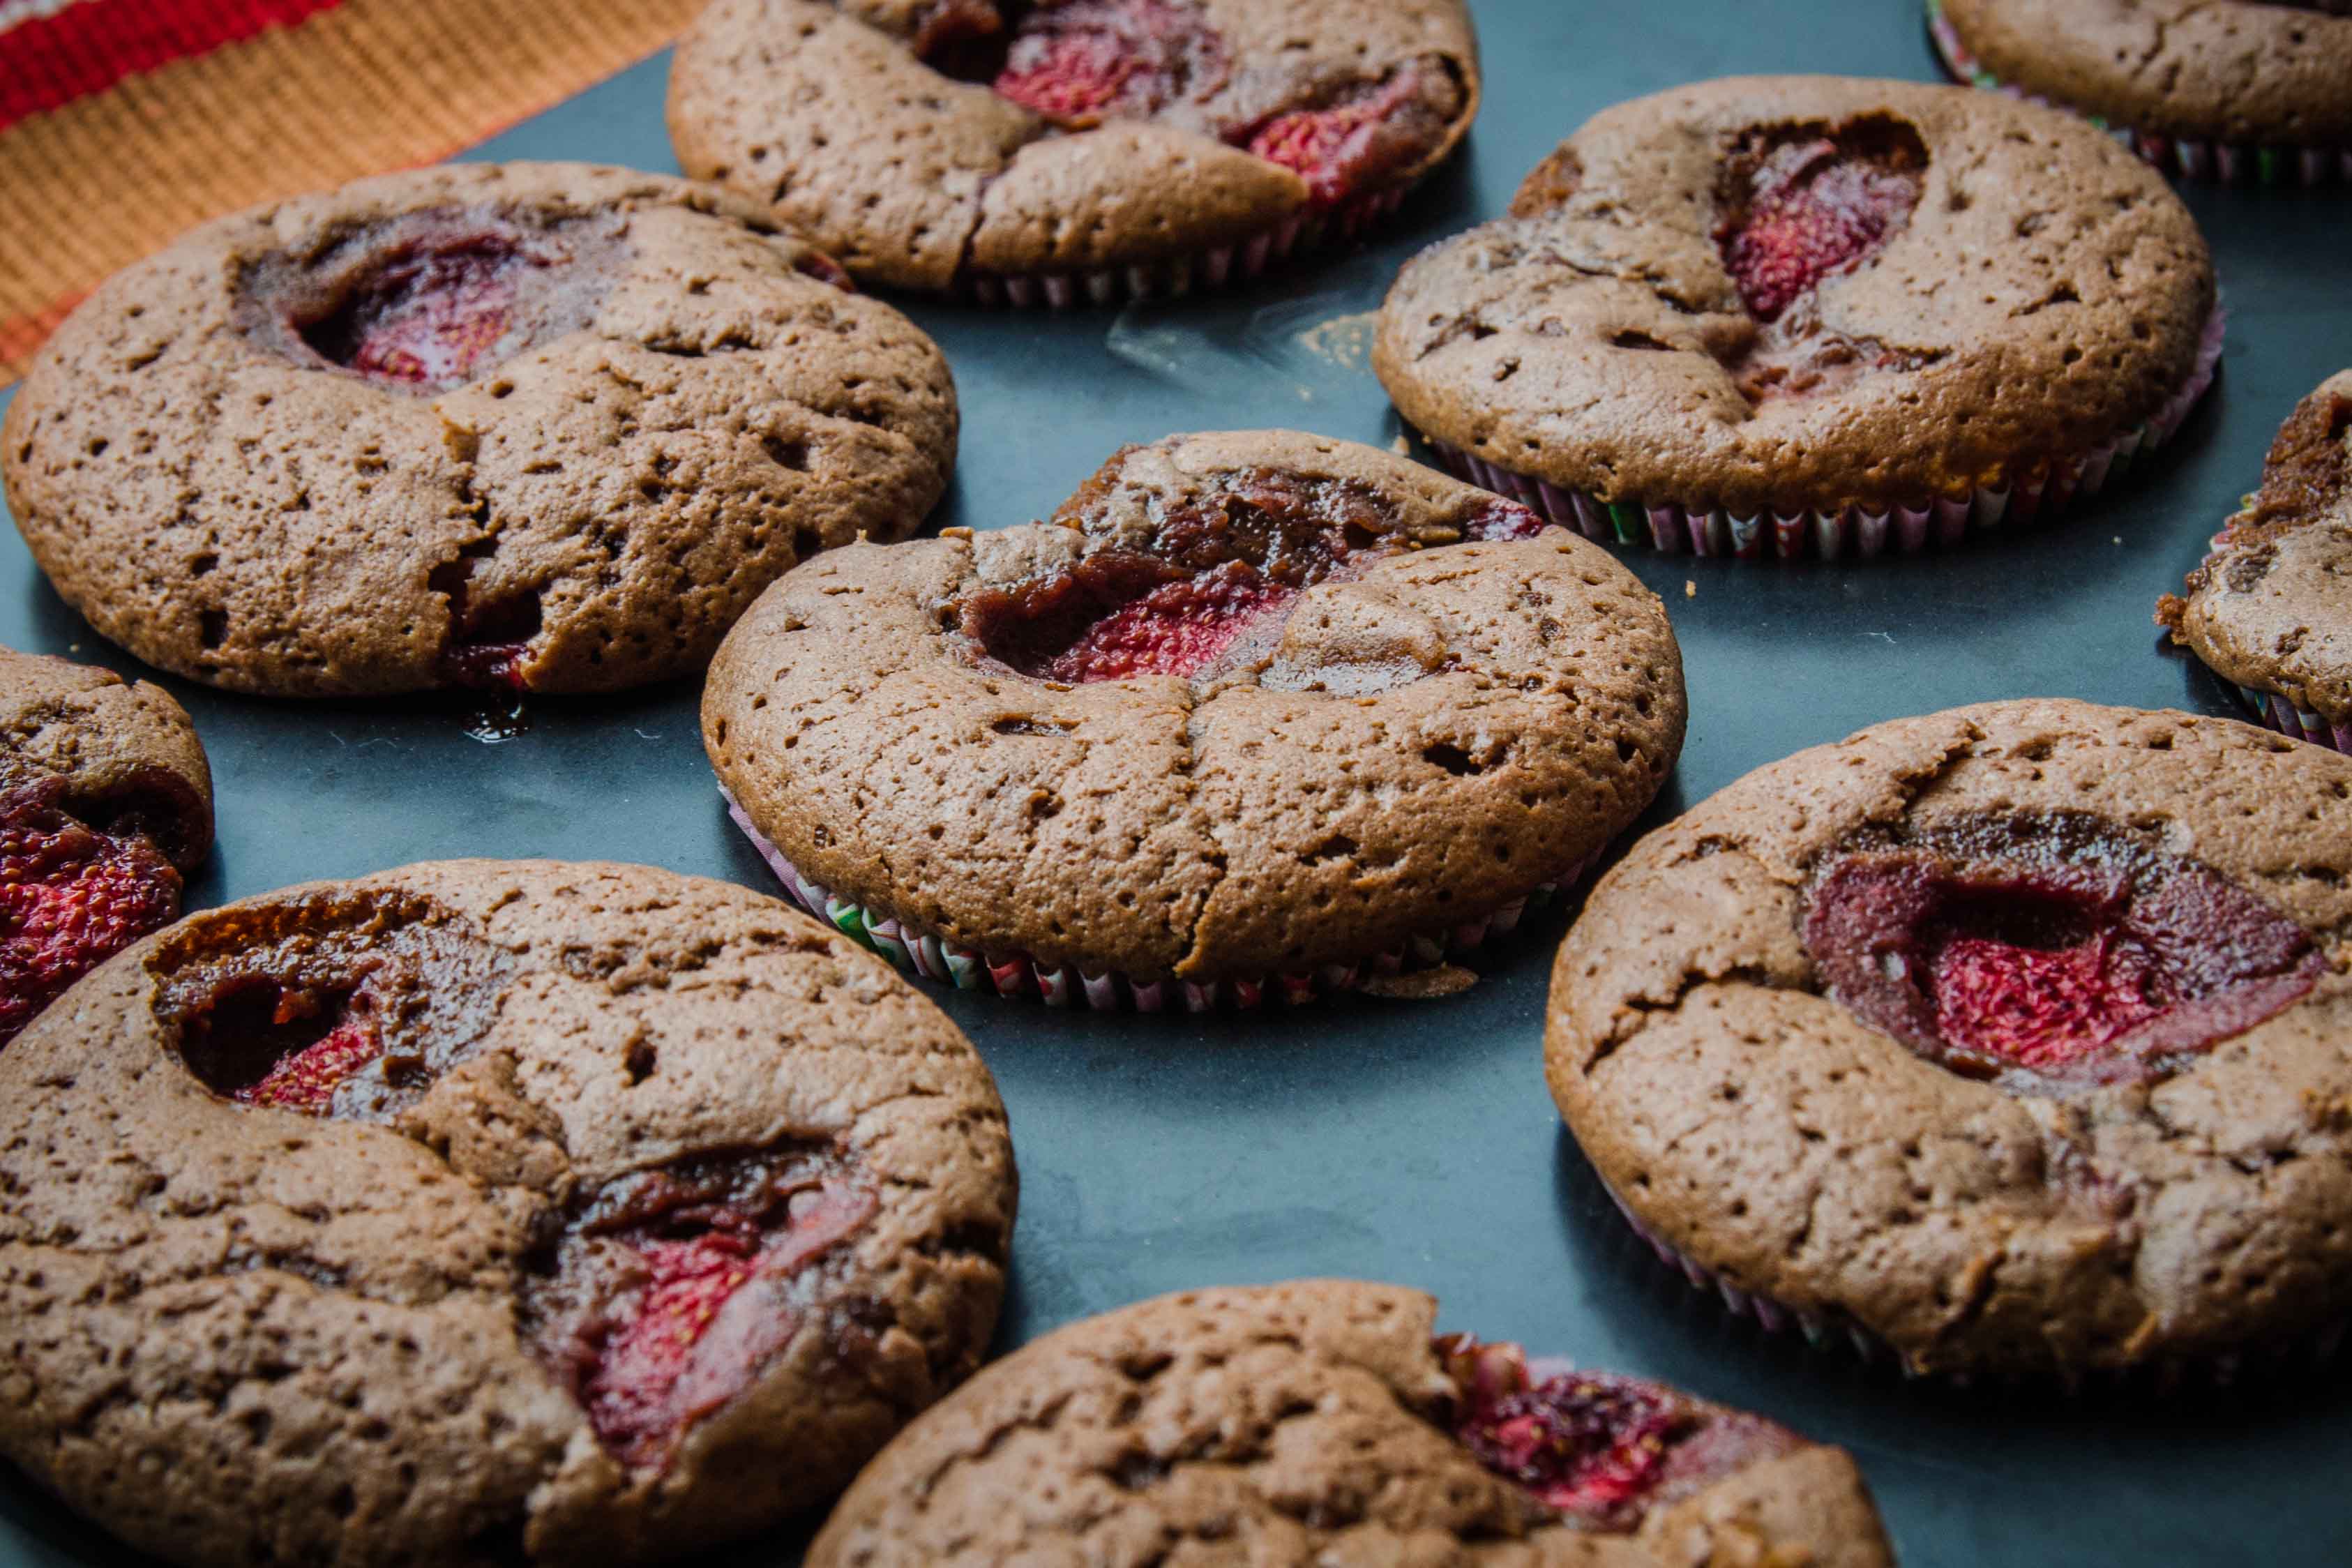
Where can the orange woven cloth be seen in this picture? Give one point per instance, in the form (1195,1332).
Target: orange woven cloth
(124,123)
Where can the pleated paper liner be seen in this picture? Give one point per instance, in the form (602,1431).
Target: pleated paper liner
(2278,710)
(1206,271)
(1831,1329)
(1852,531)
(2230,163)
(1018,974)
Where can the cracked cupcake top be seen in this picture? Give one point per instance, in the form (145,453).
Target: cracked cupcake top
(2224,70)
(2268,607)
(505,1211)
(1320,1421)
(543,427)
(106,802)
(1250,702)
(1802,293)
(2012,1033)
(921,140)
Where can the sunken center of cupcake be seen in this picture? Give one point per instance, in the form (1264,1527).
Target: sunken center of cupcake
(427,315)
(71,896)
(428,301)
(2050,950)
(1368,130)
(1078,65)
(346,1010)
(670,1290)
(1211,589)
(1600,1448)
(1802,205)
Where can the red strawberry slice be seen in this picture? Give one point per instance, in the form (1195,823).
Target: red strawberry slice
(305,1081)
(1337,149)
(710,1314)
(433,315)
(1179,628)
(1812,210)
(70,898)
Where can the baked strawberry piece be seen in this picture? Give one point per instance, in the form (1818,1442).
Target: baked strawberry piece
(1808,208)
(1078,64)
(2052,947)
(671,1288)
(105,806)
(1603,1449)
(425,301)
(70,898)
(1211,587)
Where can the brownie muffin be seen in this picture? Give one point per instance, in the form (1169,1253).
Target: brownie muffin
(540,426)
(1255,710)
(106,803)
(1775,315)
(2232,92)
(1324,1422)
(2011,1038)
(1085,149)
(2269,609)
(486,1213)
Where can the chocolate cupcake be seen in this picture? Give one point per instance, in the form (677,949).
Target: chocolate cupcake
(486,1213)
(1088,150)
(1325,1422)
(2234,92)
(1255,712)
(543,427)
(1786,315)
(2010,1040)
(2268,609)
(106,803)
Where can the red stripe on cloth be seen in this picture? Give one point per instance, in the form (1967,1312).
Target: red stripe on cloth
(20,336)
(47,62)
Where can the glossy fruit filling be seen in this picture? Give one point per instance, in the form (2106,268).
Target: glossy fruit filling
(1181,627)
(1079,64)
(1603,1449)
(1369,135)
(428,301)
(1211,588)
(70,898)
(672,1289)
(490,633)
(347,1011)
(427,315)
(1804,206)
(2050,950)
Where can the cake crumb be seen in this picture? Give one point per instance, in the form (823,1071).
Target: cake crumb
(1690,588)
(959,532)
(1401,446)
(1421,984)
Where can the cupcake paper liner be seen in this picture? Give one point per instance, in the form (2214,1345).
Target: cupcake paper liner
(1203,271)
(2278,710)
(1832,1328)
(1712,529)
(2189,157)
(1018,974)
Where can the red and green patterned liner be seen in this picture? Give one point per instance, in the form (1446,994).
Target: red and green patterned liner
(1832,1328)
(1018,974)
(2233,163)
(1852,531)
(1200,272)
